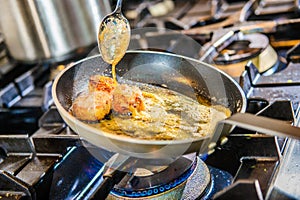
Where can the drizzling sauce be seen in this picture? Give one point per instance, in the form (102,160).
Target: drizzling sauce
(114,38)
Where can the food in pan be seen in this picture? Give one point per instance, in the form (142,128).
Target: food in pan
(128,99)
(105,94)
(101,83)
(92,106)
(145,111)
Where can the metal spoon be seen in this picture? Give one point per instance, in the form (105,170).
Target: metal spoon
(114,36)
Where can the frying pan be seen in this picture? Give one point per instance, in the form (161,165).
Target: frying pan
(185,75)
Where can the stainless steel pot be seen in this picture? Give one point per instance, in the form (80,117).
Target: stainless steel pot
(37,30)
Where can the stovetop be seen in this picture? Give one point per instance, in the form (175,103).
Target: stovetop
(42,158)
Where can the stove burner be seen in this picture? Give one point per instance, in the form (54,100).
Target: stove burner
(182,178)
(232,57)
(237,50)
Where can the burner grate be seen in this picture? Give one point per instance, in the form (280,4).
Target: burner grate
(252,158)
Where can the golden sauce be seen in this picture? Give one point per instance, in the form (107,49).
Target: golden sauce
(168,116)
(113,40)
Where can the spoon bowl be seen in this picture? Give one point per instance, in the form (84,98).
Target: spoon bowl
(114,36)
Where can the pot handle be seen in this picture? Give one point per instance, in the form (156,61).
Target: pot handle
(261,124)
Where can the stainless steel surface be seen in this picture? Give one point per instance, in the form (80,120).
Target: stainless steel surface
(287,180)
(49,29)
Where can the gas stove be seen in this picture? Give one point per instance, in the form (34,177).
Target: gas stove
(42,158)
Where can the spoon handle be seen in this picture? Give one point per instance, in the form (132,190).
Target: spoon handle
(119,6)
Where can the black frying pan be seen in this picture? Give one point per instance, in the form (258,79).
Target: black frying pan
(184,75)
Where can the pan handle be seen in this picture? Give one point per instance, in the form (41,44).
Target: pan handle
(261,124)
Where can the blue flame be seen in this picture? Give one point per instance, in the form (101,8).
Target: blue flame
(156,189)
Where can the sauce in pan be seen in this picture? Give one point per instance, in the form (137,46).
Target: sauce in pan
(154,113)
